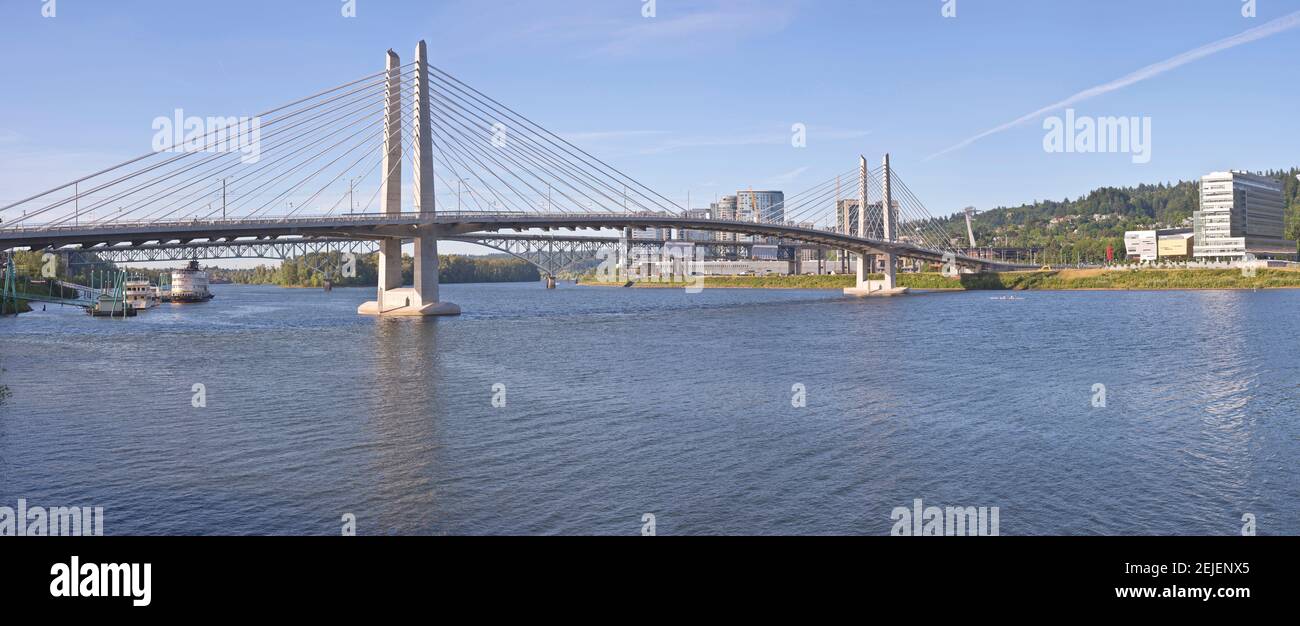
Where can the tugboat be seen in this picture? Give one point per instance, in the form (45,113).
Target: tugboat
(190,285)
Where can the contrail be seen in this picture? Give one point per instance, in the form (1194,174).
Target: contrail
(1274,27)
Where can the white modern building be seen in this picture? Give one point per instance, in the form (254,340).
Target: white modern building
(1152,245)
(1241,214)
(1141,244)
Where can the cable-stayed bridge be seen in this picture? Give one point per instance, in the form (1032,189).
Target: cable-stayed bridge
(330,168)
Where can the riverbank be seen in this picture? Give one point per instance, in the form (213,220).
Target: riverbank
(311,270)
(1056,280)
(23,307)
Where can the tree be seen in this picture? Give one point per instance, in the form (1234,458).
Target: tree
(313,269)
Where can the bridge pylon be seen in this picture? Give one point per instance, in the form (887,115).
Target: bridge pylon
(421,299)
(888,285)
(9,297)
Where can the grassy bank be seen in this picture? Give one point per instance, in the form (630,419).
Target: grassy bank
(23,307)
(1021,281)
(746,282)
(1136,280)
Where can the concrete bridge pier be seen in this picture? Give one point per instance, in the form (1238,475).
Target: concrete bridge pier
(550,282)
(888,285)
(627,254)
(421,299)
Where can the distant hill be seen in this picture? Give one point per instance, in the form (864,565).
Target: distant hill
(1088,224)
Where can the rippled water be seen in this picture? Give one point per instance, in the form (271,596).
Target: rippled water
(624,402)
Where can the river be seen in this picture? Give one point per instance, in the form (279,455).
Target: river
(582,409)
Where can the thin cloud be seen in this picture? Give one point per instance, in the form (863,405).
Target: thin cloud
(758,139)
(609,135)
(599,28)
(693,28)
(788,177)
(733,141)
(1274,27)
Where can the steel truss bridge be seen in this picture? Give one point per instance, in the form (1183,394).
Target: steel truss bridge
(447,226)
(551,254)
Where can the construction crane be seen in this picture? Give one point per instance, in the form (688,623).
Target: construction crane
(970,230)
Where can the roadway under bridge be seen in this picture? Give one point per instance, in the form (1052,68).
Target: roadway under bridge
(551,254)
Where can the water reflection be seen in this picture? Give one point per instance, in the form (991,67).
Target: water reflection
(405,421)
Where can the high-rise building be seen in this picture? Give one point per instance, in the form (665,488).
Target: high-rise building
(1240,214)
(724,209)
(766,207)
(846,216)
(847,210)
(652,234)
(698,235)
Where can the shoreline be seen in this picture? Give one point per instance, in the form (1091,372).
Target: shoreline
(942,289)
(1053,280)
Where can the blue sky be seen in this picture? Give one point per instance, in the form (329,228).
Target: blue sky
(700,97)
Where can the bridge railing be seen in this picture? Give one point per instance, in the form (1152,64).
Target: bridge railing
(352,218)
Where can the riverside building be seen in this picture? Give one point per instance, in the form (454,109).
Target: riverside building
(1241,214)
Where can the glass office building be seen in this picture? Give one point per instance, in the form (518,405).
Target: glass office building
(1240,214)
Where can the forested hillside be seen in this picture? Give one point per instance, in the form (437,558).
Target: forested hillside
(1086,225)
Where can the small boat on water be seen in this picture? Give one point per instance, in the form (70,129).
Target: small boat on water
(109,305)
(1005,298)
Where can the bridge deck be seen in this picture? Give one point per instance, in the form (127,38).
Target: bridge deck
(410,224)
